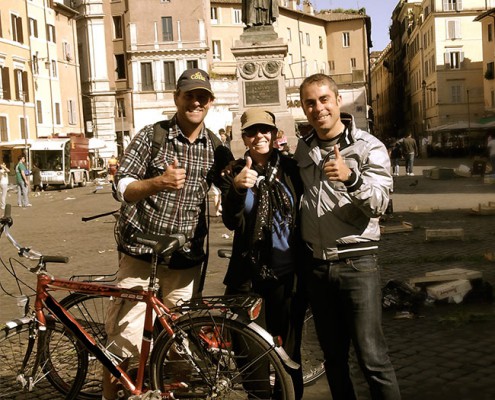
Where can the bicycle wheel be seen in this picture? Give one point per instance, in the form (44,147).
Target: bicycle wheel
(66,362)
(219,358)
(90,311)
(311,354)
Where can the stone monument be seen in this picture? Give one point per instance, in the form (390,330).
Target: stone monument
(260,57)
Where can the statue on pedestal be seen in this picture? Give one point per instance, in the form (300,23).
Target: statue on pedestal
(259,12)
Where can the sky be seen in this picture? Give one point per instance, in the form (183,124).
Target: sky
(380,12)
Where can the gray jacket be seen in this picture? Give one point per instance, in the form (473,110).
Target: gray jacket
(342,220)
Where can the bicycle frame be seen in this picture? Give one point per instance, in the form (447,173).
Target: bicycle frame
(44,299)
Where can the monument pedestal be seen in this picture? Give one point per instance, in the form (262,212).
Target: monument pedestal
(260,57)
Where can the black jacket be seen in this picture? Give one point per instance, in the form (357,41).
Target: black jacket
(234,218)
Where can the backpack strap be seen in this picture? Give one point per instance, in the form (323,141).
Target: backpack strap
(160,129)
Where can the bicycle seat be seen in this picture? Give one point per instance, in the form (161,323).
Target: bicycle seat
(162,245)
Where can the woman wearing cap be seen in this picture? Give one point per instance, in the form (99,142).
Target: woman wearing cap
(260,198)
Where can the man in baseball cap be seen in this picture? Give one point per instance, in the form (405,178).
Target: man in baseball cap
(194,78)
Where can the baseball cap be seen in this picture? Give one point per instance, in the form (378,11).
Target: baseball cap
(194,78)
(255,116)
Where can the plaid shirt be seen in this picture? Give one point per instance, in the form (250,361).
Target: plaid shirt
(167,212)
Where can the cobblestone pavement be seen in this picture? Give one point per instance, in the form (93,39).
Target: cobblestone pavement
(446,352)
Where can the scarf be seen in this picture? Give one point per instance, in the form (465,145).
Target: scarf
(272,198)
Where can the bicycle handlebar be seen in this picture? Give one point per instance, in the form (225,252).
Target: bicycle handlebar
(161,245)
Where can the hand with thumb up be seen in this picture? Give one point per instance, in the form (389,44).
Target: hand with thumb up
(174,177)
(247,177)
(336,169)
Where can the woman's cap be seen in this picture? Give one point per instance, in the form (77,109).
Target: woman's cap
(257,116)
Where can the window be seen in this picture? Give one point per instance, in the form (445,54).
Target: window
(67,50)
(456,93)
(353,63)
(169,74)
(167,29)
(23,128)
(192,64)
(289,35)
(217,53)
(117,27)
(301,37)
(452,5)
(490,32)
(16,27)
(490,70)
(453,29)
(39,111)
(54,68)
(21,85)
(146,77)
(50,33)
(492,102)
(237,17)
(289,58)
(57,114)
(71,108)
(454,58)
(4,136)
(346,39)
(320,42)
(121,108)
(331,65)
(214,15)
(5,84)
(33,27)
(308,40)
(120,66)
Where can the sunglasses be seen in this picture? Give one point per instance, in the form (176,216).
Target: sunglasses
(252,131)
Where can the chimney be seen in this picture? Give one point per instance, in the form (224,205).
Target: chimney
(308,7)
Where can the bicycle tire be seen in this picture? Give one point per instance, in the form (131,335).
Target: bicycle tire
(90,311)
(229,359)
(56,363)
(313,366)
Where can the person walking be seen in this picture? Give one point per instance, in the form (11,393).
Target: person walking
(346,176)
(395,157)
(491,152)
(410,150)
(161,195)
(260,200)
(22,180)
(37,185)
(4,185)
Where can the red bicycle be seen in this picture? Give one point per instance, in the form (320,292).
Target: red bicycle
(208,348)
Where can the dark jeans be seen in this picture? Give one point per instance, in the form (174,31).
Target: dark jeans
(345,297)
(409,163)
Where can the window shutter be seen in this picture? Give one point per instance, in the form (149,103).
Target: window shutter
(6,83)
(459,5)
(18,23)
(25,86)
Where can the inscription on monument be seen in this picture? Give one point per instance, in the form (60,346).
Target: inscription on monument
(261,92)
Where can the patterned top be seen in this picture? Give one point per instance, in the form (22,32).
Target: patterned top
(167,212)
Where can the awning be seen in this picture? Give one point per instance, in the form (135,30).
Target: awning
(456,126)
(95,144)
(15,144)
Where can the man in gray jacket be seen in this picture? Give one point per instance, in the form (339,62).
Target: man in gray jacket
(346,175)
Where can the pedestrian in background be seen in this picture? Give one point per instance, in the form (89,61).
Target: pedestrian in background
(395,157)
(161,195)
(37,186)
(410,150)
(113,166)
(21,176)
(260,200)
(346,176)
(491,151)
(4,185)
